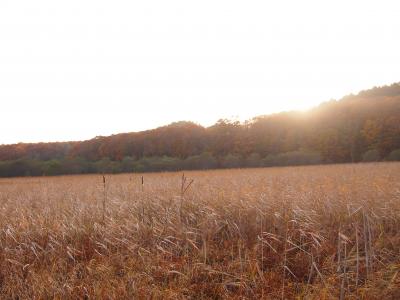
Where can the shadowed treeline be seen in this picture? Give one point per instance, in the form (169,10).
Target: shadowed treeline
(363,127)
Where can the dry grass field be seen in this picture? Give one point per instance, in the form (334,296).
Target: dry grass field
(320,232)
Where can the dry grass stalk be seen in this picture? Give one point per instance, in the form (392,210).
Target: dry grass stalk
(318,232)
(104,199)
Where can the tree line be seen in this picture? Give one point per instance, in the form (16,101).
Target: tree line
(356,128)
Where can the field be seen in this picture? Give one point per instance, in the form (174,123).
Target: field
(320,232)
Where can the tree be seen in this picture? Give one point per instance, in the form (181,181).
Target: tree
(394,155)
(231,161)
(371,155)
(253,160)
(336,131)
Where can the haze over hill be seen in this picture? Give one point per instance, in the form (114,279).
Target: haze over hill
(363,127)
(73,70)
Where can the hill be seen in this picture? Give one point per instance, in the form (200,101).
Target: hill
(362,127)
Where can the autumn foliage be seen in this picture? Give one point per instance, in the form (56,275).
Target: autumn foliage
(363,127)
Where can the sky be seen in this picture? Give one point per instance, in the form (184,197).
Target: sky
(73,70)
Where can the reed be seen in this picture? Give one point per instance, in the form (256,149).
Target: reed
(320,232)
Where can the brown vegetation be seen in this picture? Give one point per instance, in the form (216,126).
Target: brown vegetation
(320,232)
(357,128)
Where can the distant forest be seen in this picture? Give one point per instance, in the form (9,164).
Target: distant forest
(356,128)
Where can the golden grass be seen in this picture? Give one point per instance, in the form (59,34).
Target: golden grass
(321,232)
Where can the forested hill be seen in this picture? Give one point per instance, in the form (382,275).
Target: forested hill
(363,127)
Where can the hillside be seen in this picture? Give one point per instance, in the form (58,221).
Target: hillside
(362,127)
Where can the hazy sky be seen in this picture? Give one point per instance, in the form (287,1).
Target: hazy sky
(72,70)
